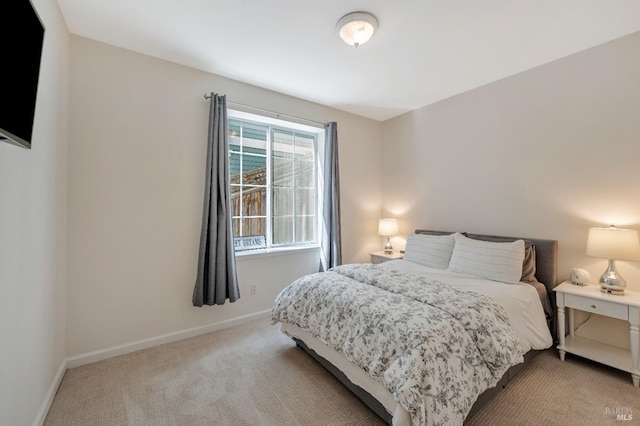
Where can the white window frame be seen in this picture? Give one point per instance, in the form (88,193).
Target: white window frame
(319,154)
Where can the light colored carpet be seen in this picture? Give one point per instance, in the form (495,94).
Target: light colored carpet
(253,375)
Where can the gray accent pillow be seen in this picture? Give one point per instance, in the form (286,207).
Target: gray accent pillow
(529,263)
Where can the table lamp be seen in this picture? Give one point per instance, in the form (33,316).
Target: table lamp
(613,244)
(388,227)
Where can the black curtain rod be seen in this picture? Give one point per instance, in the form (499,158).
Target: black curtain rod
(277,114)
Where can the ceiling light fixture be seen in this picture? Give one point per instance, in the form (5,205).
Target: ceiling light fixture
(356,28)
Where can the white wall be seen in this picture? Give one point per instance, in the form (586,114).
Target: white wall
(33,234)
(546,153)
(136,172)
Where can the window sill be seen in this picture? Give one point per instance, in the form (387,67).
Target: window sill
(252,254)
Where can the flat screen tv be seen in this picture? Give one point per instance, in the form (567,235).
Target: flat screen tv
(21,42)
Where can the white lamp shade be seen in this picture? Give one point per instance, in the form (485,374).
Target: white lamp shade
(388,227)
(357,28)
(613,243)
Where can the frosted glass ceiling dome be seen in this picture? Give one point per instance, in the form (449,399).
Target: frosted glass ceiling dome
(357,28)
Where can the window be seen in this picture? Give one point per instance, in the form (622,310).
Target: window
(273,174)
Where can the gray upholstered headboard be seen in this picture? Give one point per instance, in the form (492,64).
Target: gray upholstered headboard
(546,254)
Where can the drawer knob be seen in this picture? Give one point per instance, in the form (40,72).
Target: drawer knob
(593,306)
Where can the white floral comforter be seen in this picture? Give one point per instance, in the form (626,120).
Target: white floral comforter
(436,348)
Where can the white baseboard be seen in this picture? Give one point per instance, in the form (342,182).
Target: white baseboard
(107,353)
(46,404)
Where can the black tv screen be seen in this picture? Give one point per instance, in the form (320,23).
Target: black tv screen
(21,42)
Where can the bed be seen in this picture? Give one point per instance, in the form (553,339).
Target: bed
(428,339)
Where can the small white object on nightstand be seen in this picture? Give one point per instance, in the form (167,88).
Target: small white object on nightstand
(589,298)
(381,256)
(580,277)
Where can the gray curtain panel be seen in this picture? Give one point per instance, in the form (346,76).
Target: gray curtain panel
(216,279)
(331,251)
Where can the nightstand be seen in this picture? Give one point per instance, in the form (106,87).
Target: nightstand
(381,256)
(570,297)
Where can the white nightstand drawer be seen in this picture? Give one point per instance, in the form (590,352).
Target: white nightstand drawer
(602,307)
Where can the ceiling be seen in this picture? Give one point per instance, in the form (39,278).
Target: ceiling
(424,50)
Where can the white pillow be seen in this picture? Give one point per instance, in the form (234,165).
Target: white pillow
(486,259)
(429,250)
